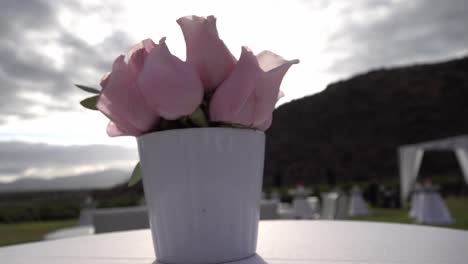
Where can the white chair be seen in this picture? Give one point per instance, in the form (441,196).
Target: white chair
(329,205)
(357,205)
(85,227)
(86,217)
(303,208)
(286,211)
(342,210)
(314,204)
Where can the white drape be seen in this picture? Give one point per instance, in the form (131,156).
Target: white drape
(410,161)
(462,156)
(410,157)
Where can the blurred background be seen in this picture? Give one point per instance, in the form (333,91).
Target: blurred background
(374,75)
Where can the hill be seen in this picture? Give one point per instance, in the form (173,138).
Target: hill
(351,130)
(89,181)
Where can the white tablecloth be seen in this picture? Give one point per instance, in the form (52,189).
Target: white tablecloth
(432,210)
(292,242)
(357,205)
(416,200)
(428,207)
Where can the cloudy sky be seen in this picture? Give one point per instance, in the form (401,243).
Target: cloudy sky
(46,46)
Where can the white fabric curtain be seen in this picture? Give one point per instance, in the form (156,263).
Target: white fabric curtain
(410,162)
(462,156)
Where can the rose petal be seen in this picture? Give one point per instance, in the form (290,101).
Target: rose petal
(104,80)
(233,94)
(114,131)
(265,125)
(269,61)
(274,68)
(206,51)
(280,95)
(248,96)
(170,86)
(137,55)
(122,102)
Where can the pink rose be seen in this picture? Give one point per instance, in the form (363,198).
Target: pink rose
(121,100)
(248,96)
(138,54)
(156,85)
(170,86)
(206,51)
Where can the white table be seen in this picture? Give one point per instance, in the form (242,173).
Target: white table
(292,242)
(431,209)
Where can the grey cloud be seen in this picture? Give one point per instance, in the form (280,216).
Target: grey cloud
(16,19)
(317,4)
(25,68)
(99,57)
(17,157)
(25,14)
(406,31)
(26,65)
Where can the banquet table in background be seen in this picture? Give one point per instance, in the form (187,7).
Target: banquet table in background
(280,242)
(428,207)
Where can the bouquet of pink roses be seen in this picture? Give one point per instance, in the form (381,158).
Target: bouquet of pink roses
(154,90)
(201,183)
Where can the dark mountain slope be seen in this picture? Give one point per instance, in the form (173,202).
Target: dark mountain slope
(352,129)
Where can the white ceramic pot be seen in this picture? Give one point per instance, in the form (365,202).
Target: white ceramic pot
(202,189)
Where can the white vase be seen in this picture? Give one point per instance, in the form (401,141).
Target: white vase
(202,189)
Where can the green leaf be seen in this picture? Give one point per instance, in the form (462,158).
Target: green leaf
(90,102)
(184,121)
(199,118)
(136,175)
(88,89)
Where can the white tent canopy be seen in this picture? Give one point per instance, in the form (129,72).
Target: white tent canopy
(411,158)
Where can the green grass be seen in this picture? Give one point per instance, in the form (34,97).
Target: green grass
(33,231)
(29,231)
(458,208)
